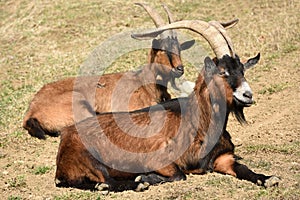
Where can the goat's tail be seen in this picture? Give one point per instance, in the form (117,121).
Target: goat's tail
(35,129)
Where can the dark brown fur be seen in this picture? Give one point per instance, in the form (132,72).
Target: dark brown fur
(83,150)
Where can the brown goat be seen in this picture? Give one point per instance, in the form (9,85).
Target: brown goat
(164,142)
(58,104)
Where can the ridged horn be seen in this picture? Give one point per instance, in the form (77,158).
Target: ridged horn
(221,28)
(170,15)
(156,18)
(214,37)
(229,24)
(171,19)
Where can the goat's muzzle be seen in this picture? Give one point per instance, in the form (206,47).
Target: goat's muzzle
(243,103)
(178,71)
(243,95)
(243,99)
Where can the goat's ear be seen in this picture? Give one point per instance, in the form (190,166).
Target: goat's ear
(216,61)
(187,44)
(210,67)
(252,61)
(156,44)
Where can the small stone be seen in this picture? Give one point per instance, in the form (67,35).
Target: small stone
(142,186)
(102,186)
(57,181)
(138,179)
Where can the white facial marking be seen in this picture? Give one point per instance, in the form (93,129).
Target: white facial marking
(238,93)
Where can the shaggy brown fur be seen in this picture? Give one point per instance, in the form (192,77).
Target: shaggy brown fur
(192,138)
(70,100)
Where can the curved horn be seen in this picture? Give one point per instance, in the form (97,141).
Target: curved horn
(156,18)
(170,15)
(170,19)
(214,37)
(221,28)
(229,24)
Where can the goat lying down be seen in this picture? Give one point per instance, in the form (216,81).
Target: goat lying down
(57,104)
(164,142)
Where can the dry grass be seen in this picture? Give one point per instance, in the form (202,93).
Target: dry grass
(43,41)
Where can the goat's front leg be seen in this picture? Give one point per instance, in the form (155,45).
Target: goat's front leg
(243,172)
(120,186)
(226,164)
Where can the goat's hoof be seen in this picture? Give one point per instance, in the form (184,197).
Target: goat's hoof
(142,186)
(102,187)
(57,181)
(138,179)
(272,181)
(150,178)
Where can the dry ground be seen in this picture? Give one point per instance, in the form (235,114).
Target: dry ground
(43,41)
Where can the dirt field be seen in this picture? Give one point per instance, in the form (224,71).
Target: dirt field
(43,41)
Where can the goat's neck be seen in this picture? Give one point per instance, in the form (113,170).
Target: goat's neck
(204,127)
(199,108)
(206,109)
(150,72)
(148,77)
